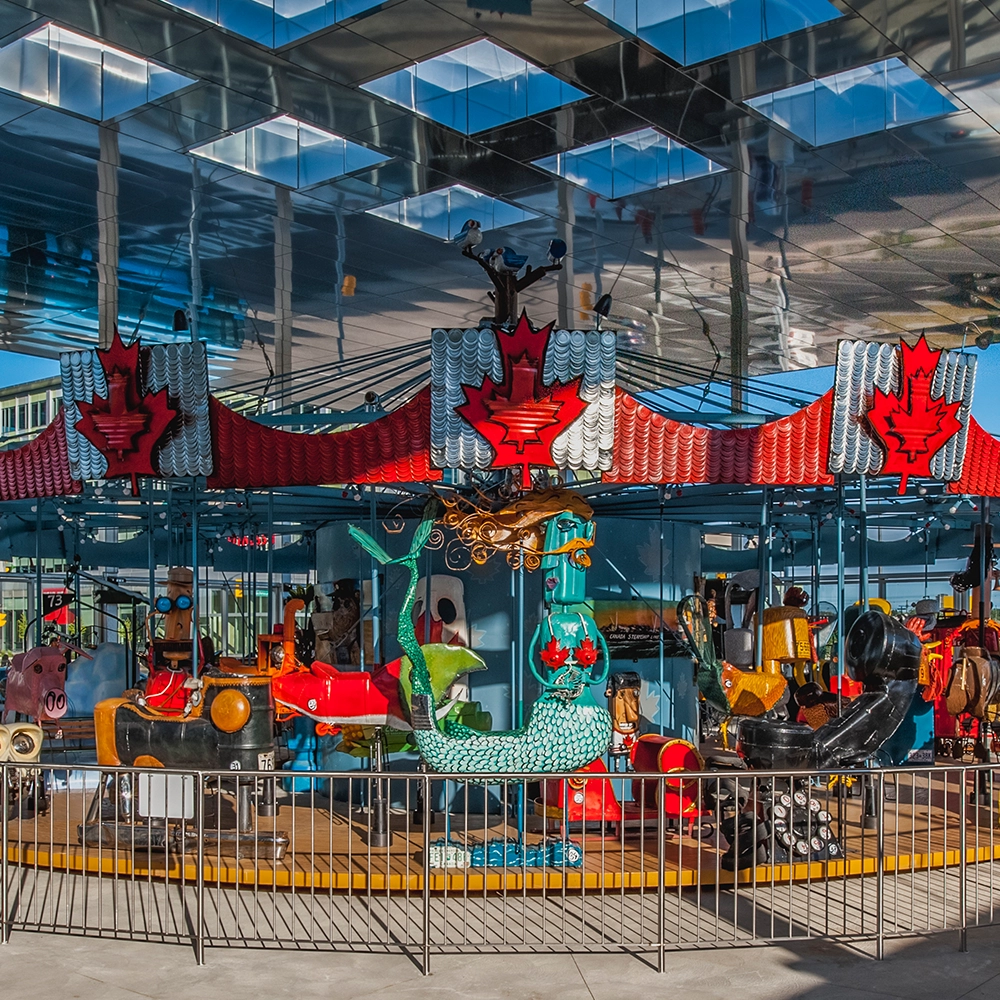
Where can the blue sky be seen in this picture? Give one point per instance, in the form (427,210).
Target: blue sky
(18,368)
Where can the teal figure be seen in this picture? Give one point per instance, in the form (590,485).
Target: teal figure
(567,728)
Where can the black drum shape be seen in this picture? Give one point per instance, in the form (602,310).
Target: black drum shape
(880,646)
(767,745)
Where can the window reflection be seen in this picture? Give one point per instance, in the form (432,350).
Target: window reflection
(289,152)
(443,213)
(691,31)
(476,87)
(856,102)
(274,22)
(75,73)
(628,164)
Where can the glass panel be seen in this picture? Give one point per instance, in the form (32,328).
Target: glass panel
(692,31)
(290,153)
(856,102)
(476,87)
(628,164)
(78,74)
(274,22)
(443,213)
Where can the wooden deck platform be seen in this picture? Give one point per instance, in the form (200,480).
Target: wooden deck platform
(328,847)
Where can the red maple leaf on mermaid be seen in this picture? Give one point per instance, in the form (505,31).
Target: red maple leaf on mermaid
(127,425)
(522,416)
(913,427)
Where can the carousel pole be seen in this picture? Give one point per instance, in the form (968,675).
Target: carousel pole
(817,562)
(39,602)
(195,627)
(984,568)
(763,548)
(863,545)
(271,617)
(840,594)
(520,644)
(513,650)
(660,617)
(151,544)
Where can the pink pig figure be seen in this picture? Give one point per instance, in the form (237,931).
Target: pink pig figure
(36,684)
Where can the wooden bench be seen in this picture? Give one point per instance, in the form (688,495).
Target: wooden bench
(66,735)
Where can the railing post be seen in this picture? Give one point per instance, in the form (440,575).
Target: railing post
(963,936)
(199,807)
(4,860)
(661,875)
(880,869)
(425,966)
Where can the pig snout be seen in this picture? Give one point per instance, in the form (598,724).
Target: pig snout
(52,704)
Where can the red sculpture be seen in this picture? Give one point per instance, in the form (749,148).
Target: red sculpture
(913,427)
(522,416)
(128,425)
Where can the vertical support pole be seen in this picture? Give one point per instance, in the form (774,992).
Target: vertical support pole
(514,644)
(863,545)
(194,243)
(199,899)
(283,216)
(963,795)
(271,616)
(739,285)
(661,644)
(376,603)
(984,568)
(880,869)
(520,645)
(4,860)
(151,542)
(840,595)
(39,601)
(425,965)
(661,877)
(763,546)
(109,159)
(817,567)
(196,604)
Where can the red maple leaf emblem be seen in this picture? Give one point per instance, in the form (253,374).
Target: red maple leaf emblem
(522,416)
(913,427)
(128,425)
(586,653)
(553,654)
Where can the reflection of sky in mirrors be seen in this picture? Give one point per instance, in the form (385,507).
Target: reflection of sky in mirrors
(629,164)
(857,102)
(443,213)
(75,73)
(290,153)
(476,87)
(691,31)
(274,22)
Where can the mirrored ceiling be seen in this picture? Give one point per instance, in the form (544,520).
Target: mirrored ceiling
(270,175)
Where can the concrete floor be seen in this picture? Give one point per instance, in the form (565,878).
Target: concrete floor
(49,967)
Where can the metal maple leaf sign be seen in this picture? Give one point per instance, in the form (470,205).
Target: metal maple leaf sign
(913,426)
(521,416)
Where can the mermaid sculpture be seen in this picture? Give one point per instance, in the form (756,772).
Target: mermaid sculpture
(567,728)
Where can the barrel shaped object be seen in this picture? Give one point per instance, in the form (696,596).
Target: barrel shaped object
(767,745)
(878,645)
(668,755)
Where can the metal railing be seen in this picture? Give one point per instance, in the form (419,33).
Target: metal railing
(425,863)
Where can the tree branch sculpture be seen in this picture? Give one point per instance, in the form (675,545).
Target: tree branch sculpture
(508,286)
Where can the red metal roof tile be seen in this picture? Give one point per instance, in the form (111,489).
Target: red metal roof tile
(393,449)
(650,448)
(39,468)
(981,469)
